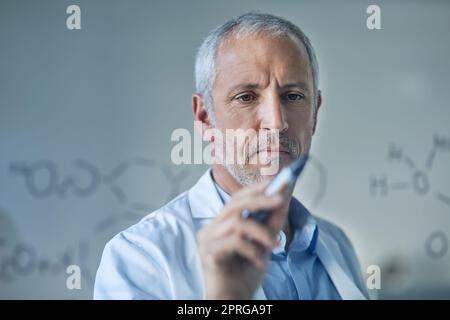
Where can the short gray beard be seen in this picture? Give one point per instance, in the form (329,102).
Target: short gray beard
(242,175)
(246,177)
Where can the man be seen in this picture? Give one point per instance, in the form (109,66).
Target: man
(255,72)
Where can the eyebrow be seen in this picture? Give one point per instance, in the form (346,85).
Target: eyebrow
(243,87)
(299,84)
(252,86)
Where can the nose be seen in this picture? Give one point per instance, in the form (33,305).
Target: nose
(272,114)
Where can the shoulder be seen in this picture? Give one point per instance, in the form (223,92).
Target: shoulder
(169,225)
(166,221)
(143,260)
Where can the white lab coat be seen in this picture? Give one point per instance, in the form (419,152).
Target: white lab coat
(158,258)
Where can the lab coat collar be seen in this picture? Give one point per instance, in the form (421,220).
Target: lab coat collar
(330,255)
(204,199)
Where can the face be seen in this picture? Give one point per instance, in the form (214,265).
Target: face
(265,84)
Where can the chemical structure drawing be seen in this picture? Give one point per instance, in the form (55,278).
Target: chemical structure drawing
(419,182)
(24,259)
(43,180)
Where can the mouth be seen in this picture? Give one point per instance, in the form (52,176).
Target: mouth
(271,151)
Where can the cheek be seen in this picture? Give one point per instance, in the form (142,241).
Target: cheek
(234,118)
(300,123)
(301,130)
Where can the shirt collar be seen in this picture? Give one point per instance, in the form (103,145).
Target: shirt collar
(303,224)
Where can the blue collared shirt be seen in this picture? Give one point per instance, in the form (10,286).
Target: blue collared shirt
(296,274)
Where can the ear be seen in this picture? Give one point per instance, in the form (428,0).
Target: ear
(201,117)
(316,111)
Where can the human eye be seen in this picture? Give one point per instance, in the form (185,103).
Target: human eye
(245,97)
(294,96)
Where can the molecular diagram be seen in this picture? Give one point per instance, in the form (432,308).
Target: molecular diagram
(64,186)
(42,179)
(437,243)
(25,259)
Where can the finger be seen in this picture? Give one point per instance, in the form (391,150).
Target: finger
(259,233)
(255,203)
(218,229)
(223,246)
(251,251)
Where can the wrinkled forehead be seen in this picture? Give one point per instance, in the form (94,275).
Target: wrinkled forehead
(254,58)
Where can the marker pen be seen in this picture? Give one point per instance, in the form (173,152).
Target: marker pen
(283,184)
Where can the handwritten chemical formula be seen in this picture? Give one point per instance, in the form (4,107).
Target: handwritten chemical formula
(419,183)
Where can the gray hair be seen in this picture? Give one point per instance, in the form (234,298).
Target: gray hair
(245,25)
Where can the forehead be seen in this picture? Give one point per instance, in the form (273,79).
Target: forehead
(261,57)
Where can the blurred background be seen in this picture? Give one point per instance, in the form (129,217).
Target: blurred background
(86,118)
